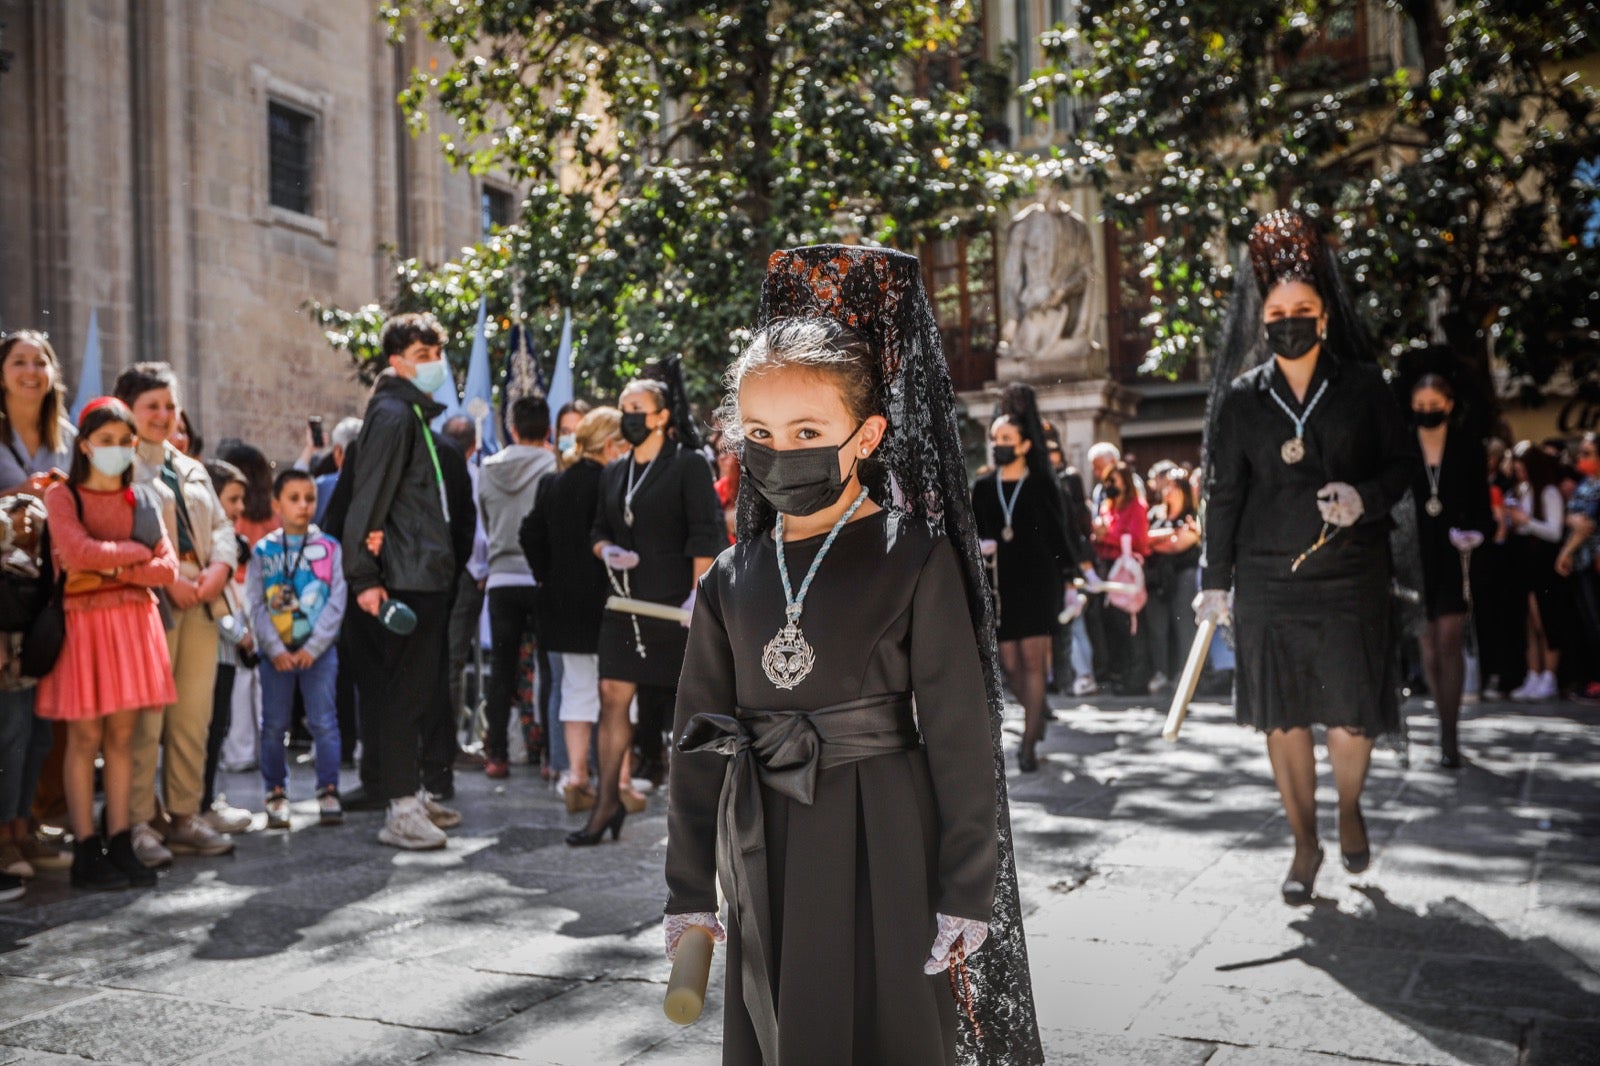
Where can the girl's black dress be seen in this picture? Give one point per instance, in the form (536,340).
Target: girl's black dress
(1464,492)
(1031,565)
(676,519)
(1316,646)
(855,876)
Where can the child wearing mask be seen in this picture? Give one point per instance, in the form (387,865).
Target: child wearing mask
(296,592)
(107,538)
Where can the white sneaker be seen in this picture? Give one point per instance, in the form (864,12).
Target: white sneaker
(226,818)
(1159,683)
(440,815)
(1528,689)
(1548,689)
(408,827)
(148,847)
(1085,686)
(194,836)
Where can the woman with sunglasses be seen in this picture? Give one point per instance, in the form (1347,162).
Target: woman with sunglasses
(1306,454)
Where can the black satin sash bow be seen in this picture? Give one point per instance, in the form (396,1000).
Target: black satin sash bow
(783,750)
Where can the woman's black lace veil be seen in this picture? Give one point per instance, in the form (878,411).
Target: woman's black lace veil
(920,470)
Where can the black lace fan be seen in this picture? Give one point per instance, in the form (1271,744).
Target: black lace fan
(920,470)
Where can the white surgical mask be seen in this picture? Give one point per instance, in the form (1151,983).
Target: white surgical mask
(431,375)
(111,461)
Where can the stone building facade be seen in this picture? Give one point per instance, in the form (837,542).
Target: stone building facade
(194,171)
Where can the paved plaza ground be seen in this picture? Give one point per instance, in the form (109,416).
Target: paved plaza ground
(1150,879)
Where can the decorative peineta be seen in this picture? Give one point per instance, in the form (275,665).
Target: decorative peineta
(1287,246)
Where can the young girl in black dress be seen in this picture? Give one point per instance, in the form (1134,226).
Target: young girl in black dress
(1452,503)
(837,766)
(1021,517)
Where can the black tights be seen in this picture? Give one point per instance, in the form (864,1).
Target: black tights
(1027,665)
(1446,668)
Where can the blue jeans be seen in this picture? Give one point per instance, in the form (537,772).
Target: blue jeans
(317,685)
(555,737)
(24,745)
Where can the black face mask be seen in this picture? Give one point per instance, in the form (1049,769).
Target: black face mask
(1005,454)
(1112,490)
(800,481)
(1430,419)
(634,430)
(1292,338)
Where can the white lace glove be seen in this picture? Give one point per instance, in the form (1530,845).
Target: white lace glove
(1213,605)
(988,547)
(675,925)
(1466,540)
(688,605)
(972,934)
(1340,504)
(619,558)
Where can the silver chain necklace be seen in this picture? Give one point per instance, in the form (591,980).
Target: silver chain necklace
(632,490)
(1294,449)
(788,659)
(1008,507)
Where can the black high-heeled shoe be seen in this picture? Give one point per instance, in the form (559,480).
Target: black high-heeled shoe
(1027,758)
(1357,861)
(1297,893)
(583,838)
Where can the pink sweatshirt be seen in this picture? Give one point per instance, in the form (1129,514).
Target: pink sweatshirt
(101,541)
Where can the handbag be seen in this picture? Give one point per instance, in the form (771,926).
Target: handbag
(43,638)
(1129,571)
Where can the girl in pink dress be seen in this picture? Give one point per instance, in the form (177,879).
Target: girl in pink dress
(107,541)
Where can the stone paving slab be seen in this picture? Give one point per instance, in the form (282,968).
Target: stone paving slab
(1149,876)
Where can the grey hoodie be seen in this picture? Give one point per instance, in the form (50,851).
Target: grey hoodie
(507,482)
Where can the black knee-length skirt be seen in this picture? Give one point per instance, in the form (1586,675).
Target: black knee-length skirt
(1318,647)
(664,643)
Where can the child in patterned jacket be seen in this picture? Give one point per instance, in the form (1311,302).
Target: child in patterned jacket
(296,595)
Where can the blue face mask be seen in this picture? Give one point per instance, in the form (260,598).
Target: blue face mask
(111,461)
(566,442)
(431,375)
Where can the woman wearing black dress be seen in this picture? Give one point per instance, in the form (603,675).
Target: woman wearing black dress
(838,769)
(1452,503)
(658,527)
(1306,456)
(1022,520)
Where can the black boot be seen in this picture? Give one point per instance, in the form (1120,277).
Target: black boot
(120,851)
(91,868)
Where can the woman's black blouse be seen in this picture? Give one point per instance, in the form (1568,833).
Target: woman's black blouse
(1259,505)
(677,518)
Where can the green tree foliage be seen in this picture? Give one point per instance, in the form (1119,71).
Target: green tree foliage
(669,146)
(1454,184)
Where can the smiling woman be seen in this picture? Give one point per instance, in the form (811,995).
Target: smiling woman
(33,425)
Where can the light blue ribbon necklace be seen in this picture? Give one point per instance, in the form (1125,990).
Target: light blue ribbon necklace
(788,659)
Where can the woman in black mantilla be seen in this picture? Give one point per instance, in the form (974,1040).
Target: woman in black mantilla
(837,723)
(1306,454)
(658,527)
(1451,497)
(1021,516)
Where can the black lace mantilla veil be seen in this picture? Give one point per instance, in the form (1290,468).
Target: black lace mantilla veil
(919,470)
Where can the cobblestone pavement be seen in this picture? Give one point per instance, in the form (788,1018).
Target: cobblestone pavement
(1150,876)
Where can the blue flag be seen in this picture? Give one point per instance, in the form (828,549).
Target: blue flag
(479,396)
(89,374)
(561,380)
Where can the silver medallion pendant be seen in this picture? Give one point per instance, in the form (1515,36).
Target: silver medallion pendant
(1434,507)
(1008,534)
(787,659)
(627,516)
(1293,450)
